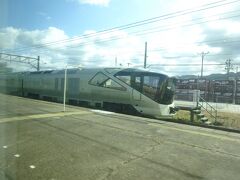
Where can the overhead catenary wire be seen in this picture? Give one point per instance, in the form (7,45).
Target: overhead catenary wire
(214,42)
(189,64)
(141,34)
(164,29)
(135,24)
(222,41)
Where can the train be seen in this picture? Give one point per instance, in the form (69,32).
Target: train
(128,90)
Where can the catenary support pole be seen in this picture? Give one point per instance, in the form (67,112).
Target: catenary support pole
(145,56)
(65,89)
(38,63)
(115,61)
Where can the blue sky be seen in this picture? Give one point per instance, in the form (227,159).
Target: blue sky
(73,17)
(178,39)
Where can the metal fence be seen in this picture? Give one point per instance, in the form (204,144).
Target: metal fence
(221,91)
(224,95)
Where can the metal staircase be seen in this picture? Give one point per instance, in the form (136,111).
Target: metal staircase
(200,110)
(209,109)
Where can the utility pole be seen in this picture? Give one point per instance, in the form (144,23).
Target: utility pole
(145,56)
(203,54)
(228,66)
(115,61)
(38,63)
(65,89)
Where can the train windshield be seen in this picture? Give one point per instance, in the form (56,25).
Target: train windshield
(159,88)
(156,86)
(166,93)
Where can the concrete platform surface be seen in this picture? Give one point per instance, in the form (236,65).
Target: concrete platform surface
(38,141)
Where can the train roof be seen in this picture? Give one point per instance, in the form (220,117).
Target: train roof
(111,70)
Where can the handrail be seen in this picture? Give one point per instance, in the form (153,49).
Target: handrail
(212,112)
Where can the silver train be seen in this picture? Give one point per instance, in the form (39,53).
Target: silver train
(124,90)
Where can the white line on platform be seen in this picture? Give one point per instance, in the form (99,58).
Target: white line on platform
(103,112)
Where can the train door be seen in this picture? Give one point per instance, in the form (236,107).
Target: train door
(137,83)
(73,87)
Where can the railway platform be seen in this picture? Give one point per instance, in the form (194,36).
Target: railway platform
(40,141)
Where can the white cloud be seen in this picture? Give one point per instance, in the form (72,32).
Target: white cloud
(175,46)
(93,51)
(94,2)
(53,34)
(231,27)
(8,37)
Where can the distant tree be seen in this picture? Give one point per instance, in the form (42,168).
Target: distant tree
(229,65)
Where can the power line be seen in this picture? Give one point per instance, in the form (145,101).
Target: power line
(101,41)
(156,31)
(135,24)
(108,40)
(193,56)
(175,25)
(222,41)
(181,65)
(189,64)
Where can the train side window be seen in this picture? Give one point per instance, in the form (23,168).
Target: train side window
(125,78)
(113,85)
(98,79)
(136,83)
(104,81)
